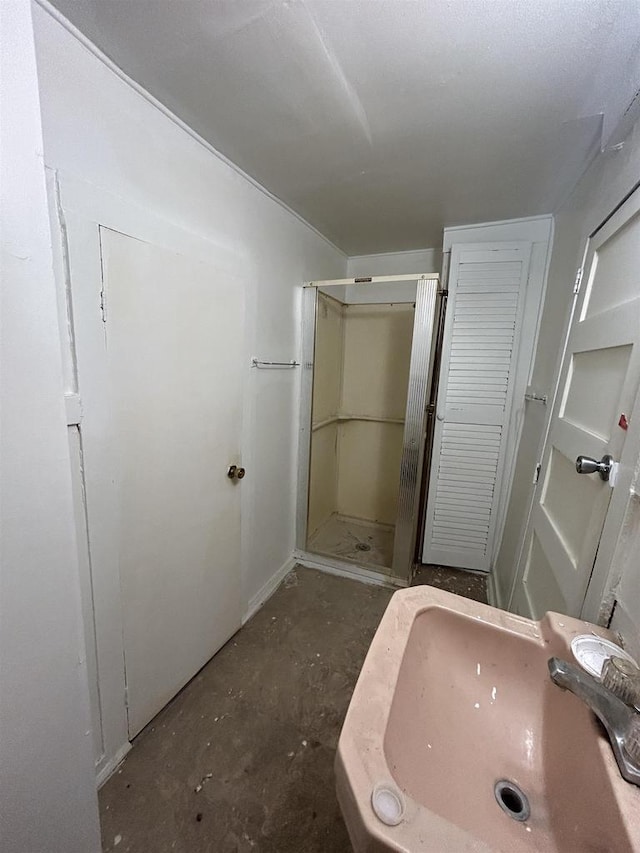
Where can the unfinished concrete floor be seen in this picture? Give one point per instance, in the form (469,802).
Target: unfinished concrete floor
(242,759)
(468,584)
(257,730)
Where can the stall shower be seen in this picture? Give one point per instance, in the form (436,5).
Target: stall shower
(361,366)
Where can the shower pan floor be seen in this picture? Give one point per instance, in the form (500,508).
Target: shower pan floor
(364,542)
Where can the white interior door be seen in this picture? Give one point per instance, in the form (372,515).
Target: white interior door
(591,416)
(174,355)
(487,290)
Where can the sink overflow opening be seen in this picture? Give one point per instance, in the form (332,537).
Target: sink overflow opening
(512,800)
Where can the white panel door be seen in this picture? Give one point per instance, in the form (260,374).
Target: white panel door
(487,288)
(598,385)
(174,355)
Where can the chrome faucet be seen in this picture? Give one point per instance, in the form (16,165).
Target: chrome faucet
(621,722)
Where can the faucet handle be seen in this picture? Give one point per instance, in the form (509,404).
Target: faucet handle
(617,718)
(622,678)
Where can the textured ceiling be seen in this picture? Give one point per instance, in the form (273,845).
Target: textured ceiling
(382,121)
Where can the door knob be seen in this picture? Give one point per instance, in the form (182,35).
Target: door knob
(587,465)
(235,472)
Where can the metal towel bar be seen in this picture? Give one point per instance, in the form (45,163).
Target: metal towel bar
(256,362)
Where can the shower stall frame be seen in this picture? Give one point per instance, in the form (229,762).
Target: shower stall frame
(421,378)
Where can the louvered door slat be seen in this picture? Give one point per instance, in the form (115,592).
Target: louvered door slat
(484,313)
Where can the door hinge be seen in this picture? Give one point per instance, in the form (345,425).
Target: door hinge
(103,305)
(536,473)
(578,281)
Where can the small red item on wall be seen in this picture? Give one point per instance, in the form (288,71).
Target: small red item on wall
(623,423)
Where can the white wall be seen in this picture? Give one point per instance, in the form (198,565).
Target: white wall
(103,135)
(47,790)
(609,179)
(381,292)
(395,263)
(99,129)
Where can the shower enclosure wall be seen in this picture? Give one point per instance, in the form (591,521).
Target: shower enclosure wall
(362,343)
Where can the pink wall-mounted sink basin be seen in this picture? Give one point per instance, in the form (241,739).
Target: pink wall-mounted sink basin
(455,697)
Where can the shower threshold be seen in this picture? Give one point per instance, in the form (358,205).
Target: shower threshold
(367,543)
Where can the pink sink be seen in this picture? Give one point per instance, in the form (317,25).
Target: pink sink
(454,697)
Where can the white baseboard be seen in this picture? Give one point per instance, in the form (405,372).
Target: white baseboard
(263,594)
(347,570)
(493,593)
(110,766)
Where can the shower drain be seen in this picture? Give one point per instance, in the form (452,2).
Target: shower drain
(362,546)
(512,800)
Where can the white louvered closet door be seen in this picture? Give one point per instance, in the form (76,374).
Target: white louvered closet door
(479,359)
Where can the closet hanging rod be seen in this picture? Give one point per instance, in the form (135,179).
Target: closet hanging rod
(256,362)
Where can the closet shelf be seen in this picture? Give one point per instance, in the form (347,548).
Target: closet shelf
(342,418)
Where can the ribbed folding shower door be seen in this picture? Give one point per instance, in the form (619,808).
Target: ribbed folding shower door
(479,359)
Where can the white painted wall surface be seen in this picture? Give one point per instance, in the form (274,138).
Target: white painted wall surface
(101,134)
(47,791)
(98,129)
(395,263)
(608,181)
(381,292)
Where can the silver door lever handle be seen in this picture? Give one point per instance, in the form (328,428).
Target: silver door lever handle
(587,465)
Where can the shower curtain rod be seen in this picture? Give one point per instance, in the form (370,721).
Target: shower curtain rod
(374,279)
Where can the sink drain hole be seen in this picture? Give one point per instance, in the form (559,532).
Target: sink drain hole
(512,800)
(362,546)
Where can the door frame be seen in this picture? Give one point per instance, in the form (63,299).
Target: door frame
(413,445)
(78,211)
(599,599)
